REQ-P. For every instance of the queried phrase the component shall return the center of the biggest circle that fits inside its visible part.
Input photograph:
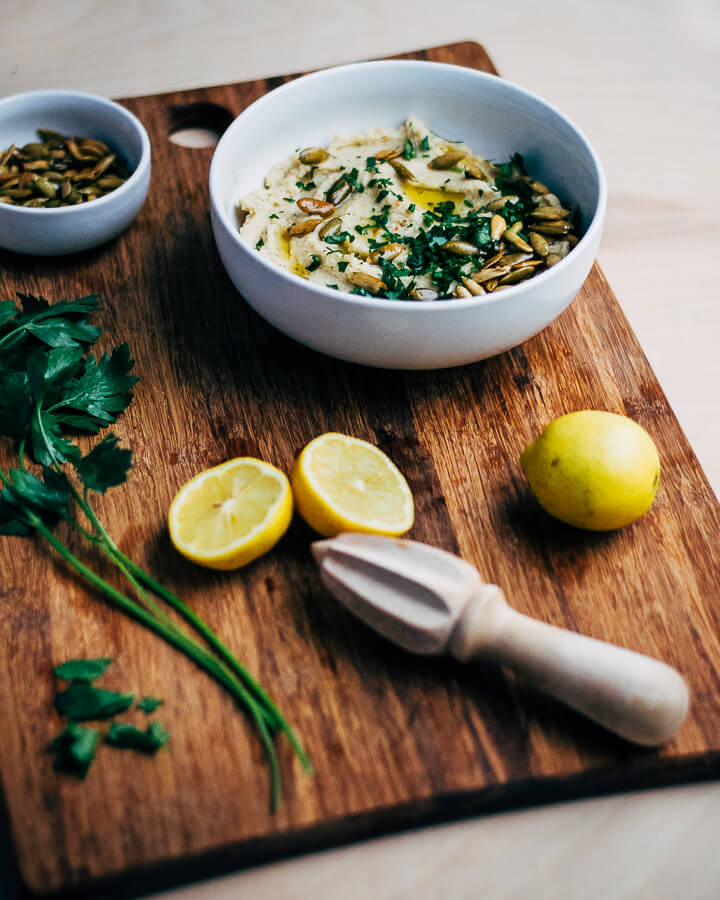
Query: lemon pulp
(342, 483)
(229, 515)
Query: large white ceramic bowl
(68, 229)
(495, 118)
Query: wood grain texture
(395, 739)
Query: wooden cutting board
(396, 740)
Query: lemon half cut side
(231, 514)
(342, 483)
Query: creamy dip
(404, 213)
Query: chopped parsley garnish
(259, 244)
(131, 737)
(425, 143)
(86, 669)
(74, 749)
(315, 264)
(409, 151)
(342, 265)
(149, 704)
(273, 216)
(339, 238)
(305, 186)
(371, 164)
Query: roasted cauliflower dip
(406, 214)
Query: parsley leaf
(82, 701)
(99, 394)
(105, 466)
(75, 749)
(133, 738)
(149, 704)
(47, 498)
(87, 669)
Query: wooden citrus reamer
(432, 602)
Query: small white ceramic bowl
(495, 118)
(68, 229)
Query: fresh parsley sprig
(52, 387)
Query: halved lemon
(342, 483)
(229, 515)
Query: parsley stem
(225, 653)
(133, 571)
(275, 717)
(174, 636)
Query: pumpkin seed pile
(467, 227)
(59, 171)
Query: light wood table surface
(642, 79)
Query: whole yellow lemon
(594, 470)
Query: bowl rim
(402, 305)
(119, 110)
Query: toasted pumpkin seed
(319, 207)
(339, 191)
(536, 186)
(513, 238)
(550, 213)
(538, 243)
(109, 182)
(447, 160)
(485, 275)
(514, 259)
(462, 291)
(516, 275)
(479, 168)
(550, 200)
(387, 251)
(305, 226)
(402, 170)
(558, 227)
(312, 155)
(36, 151)
(491, 285)
(493, 259)
(473, 287)
(48, 188)
(91, 145)
(460, 248)
(497, 226)
(473, 170)
(333, 226)
(366, 282)
(423, 294)
(388, 154)
(572, 239)
(501, 202)
(76, 153)
(102, 166)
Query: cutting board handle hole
(198, 125)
